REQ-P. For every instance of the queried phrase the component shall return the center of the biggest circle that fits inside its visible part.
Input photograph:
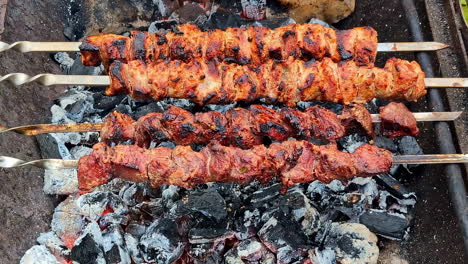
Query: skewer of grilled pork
(288, 82)
(290, 161)
(236, 125)
(245, 128)
(252, 45)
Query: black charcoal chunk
(262, 197)
(282, 231)
(386, 224)
(162, 243)
(162, 25)
(219, 108)
(297, 205)
(207, 231)
(114, 248)
(135, 229)
(409, 146)
(106, 103)
(87, 251)
(386, 143)
(78, 68)
(393, 186)
(76, 110)
(206, 202)
(153, 208)
(336, 108)
(49, 146)
(153, 107)
(223, 19)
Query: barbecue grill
(454, 171)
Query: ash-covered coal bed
(125, 222)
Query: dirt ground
(26, 211)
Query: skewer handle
(48, 164)
(29, 46)
(54, 79)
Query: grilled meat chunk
(291, 161)
(288, 82)
(397, 121)
(252, 45)
(243, 128)
(357, 120)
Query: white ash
(38, 255)
(353, 243)
(92, 205)
(132, 245)
(53, 243)
(80, 151)
(67, 222)
(62, 182)
(322, 256)
(112, 237)
(64, 60)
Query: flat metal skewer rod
(104, 80)
(37, 129)
(410, 46)
(45, 46)
(56, 164)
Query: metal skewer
(30, 46)
(56, 164)
(104, 80)
(32, 130)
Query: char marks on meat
(288, 82)
(290, 161)
(239, 127)
(252, 45)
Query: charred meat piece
(397, 121)
(243, 128)
(291, 161)
(288, 82)
(252, 45)
(357, 120)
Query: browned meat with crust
(397, 121)
(291, 161)
(243, 128)
(357, 120)
(252, 45)
(288, 82)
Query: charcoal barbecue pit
(90, 241)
